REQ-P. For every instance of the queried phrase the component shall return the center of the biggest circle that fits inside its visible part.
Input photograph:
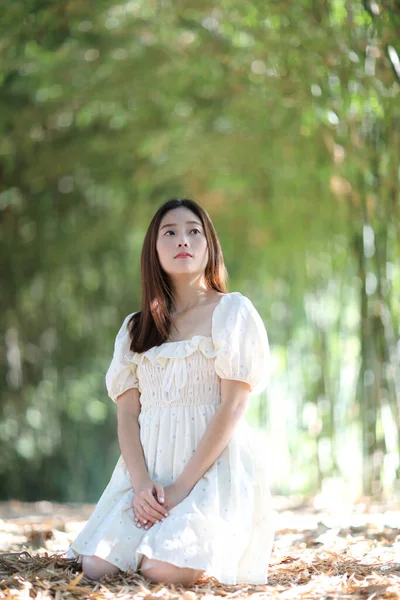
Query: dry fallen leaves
(317, 554)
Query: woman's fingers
(159, 492)
(150, 515)
(146, 512)
(153, 508)
(143, 518)
(150, 512)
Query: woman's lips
(183, 256)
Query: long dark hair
(150, 327)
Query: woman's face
(181, 231)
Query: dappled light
(319, 549)
(285, 125)
(283, 121)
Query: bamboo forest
(282, 119)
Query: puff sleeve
(121, 374)
(241, 344)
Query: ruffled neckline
(159, 355)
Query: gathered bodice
(178, 373)
(189, 371)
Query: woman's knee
(163, 572)
(95, 567)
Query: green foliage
(283, 121)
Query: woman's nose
(182, 241)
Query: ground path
(330, 552)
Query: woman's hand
(174, 494)
(148, 504)
(168, 498)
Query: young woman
(189, 494)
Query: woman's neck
(188, 294)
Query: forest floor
(331, 552)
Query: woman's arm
(128, 410)
(234, 398)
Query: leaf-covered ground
(336, 552)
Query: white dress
(226, 523)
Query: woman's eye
(194, 229)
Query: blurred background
(283, 120)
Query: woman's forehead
(179, 215)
